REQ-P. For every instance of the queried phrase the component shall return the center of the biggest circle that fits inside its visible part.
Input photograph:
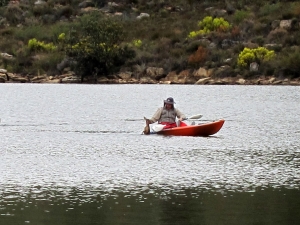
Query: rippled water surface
(75, 154)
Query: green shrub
(48, 63)
(96, 47)
(259, 55)
(209, 24)
(270, 9)
(240, 15)
(35, 45)
(13, 14)
(137, 43)
(289, 63)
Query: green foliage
(289, 62)
(208, 24)
(259, 55)
(35, 45)
(48, 63)
(137, 43)
(240, 15)
(62, 36)
(270, 9)
(96, 46)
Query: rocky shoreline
(127, 78)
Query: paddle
(159, 127)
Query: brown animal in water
(147, 127)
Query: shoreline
(71, 79)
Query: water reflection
(182, 206)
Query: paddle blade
(158, 127)
(195, 117)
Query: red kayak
(203, 129)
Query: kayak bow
(202, 129)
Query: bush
(258, 55)
(209, 24)
(35, 45)
(96, 46)
(289, 63)
(240, 15)
(198, 58)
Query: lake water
(74, 154)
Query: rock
(6, 55)
(227, 43)
(86, 4)
(212, 45)
(172, 76)
(165, 82)
(228, 60)
(63, 64)
(146, 80)
(273, 46)
(220, 12)
(285, 24)
(53, 81)
(39, 79)
(112, 4)
(143, 15)
(3, 71)
(71, 79)
(200, 73)
(125, 75)
(19, 79)
(102, 80)
(241, 81)
(254, 66)
(203, 81)
(183, 74)
(2, 79)
(40, 2)
(155, 73)
(272, 80)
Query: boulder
(19, 79)
(155, 73)
(285, 24)
(86, 4)
(146, 80)
(70, 79)
(203, 81)
(171, 76)
(254, 66)
(39, 79)
(39, 2)
(6, 55)
(125, 75)
(143, 15)
(200, 73)
(241, 81)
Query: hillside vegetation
(125, 38)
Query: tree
(95, 45)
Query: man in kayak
(165, 115)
